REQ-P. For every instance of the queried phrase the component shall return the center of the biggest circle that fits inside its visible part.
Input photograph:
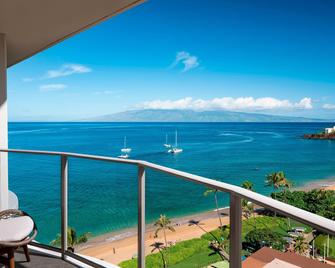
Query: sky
(273, 57)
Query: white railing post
(141, 218)
(64, 205)
(3, 124)
(235, 231)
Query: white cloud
(229, 103)
(189, 61)
(27, 79)
(328, 106)
(107, 92)
(52, 87)
(68, 69)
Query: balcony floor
(39, 260)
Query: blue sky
(274, 57)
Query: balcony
(51, 256)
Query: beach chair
(17, 229)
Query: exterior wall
(330, 130)
(3, 124)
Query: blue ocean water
(103, 196)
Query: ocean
(103, 196)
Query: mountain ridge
(162, 115)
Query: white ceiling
(31, 26)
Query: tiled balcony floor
(39, 260)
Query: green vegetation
(248, 185)
(258, 238)
(213, 247)
(300, 246)
(163, 224)
(72, 239)
(194, 250)
(197, 253)
(321, 240)
(278, 180)
(247, 207)
(316, 201)
(158, 246)
(200, 259)
(215, 192)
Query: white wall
(3, 124)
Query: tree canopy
(320, 202)
(258, 238)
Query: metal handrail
(316, 221)
(236, 194)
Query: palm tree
(210, 191)
(247, 206)
(300, 246)
(160, 247)
(163, 224)
(218, 249)
(248, 185)
(72, 239)
(278, 180)
(198, 224)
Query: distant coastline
(173, 115)
(320, 136)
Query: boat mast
(125, 142)
(176, 142)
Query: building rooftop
(271, 258)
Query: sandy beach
(327, 184)
(117, 247)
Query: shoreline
(176, 221)
(121, 245)
(326, 184)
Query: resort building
(29, 27)
(330, 130)
(271, 258)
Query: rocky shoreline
(320, 136)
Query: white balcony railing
(236, 194)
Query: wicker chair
(8, 246)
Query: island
(327, 134)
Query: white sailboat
(124, 156)
(166, 144)
(175, 149)
(125, 150)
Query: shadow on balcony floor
(39, 261)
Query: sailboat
(175, 149)
(166, 144)
(124, 156)
(125, 150)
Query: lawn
(190, 253)
(221, 264)
(277, 224)
(198, 260)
